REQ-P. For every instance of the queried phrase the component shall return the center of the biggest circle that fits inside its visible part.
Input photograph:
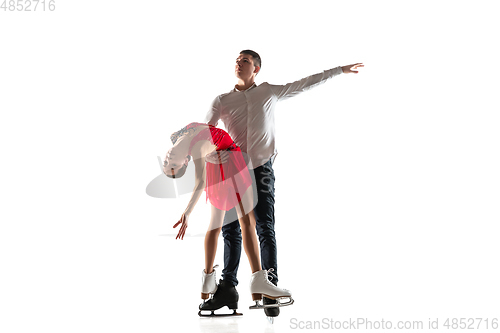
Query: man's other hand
(217, 157)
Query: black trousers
(264, 215)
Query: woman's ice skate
(208, 284)
(261, 286)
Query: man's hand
(351, 68)
(182, 230)
(217, 157)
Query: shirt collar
(249, 88)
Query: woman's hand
(184, 224)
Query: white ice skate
(208, 283)
(261, 286)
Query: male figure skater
(248, 115)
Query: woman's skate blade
(258, 305)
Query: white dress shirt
(248, 115)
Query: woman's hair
(181, 171)
(173, 138)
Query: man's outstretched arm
(295, 88)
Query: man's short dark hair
(256, 57)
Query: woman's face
(173, 162)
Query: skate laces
(270, 271)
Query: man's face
(245, 68)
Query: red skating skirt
(228, 182)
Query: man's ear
(257, 70)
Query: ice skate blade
(270, 319)
(262, 306)
(212, 314)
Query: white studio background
(386, 181)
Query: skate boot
(208, 283)
(260, 286)
(226, 295)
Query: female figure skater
(227, 185)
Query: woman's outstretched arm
(199, 186)
(199, 152)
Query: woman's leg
(211, 237)
(247, 225)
